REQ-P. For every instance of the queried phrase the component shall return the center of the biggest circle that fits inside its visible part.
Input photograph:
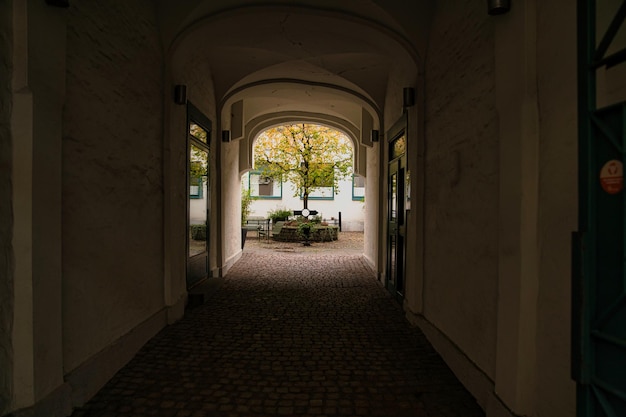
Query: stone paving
(288, 333)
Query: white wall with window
(270, 194)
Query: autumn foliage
(309, 156)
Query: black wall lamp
(375, 135)
(408, 96)
(180, 94)
(225, 135)
(496, 7)
(58, 3)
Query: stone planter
(318, 234)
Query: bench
(259, 225)
(276, 227)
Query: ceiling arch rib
(275, 41)
(407, 20)
(280, 61)
(321, 72)
(281, 95)
(250, 109)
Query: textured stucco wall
(558, 173)
(189, 68)
(372, 209)
(112, 175)
(461, 196)
(6, 212)
(231, 201)
(204, 98)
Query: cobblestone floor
(289, 333)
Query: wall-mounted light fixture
(58, 3)
(225, 135)
(180, 94)
(408, 97)
(374, 135)
(496, 7)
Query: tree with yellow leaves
(309, 156)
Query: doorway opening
(303, 179)
(397, 201)
(198, 201)
(599, 289)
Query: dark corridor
(302, 334)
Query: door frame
(598, 251)
(196, 116)
(396, 285)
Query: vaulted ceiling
(327, 59)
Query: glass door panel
(396, 208)
(599, 285)
(198, 215)
(395, 230)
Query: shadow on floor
(288, 334)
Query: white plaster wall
(371, 233)
(175, 195)
(461, 188)
(47, 37)
(558, 176)
(415, 215)
(231, 202)
(192, 70)
(39, 37)
(112, 175)
(352, 212)
(6, 212)
(197, 209)
(400, 76)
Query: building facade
(347, 202)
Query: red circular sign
(612, 177)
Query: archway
(289, 63)
(305, 165)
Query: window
(198, 170)
(358, 188)
(397, 147)
(195, 188)
(197, 132)
(198, 161)
(264, 187)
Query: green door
(396, 213)
(599, 286)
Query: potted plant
(279, 215)
(305, 227)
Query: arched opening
(303, 166)
(286, 64)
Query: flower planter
(318, 234)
